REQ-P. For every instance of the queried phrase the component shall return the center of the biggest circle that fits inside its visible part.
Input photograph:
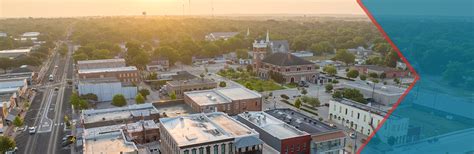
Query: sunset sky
(68, 8)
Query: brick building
(389, 72)
(124, 74)
(101, 63)
(180, 86)
(229, 100)
(279, 135)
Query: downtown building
(215, 133)
(279, 135)
(364, 119)
(324, 138)
(280, 62)
(179, 87)
(386, 95)
(232, 101)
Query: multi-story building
(281, 65)
(388, 71)
(127, 74)
(325, 139)
(178, 87)
(365, 118)
(120, 115)
(12, 91)
(101, 63)
(279, 135)
(106, 88)
(232, 101)
(121, 138)
(208, 133)
(382, 94)
(158, 65)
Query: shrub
(329, 87)
(284, 96)
(119, 100)
(222, 84)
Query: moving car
(51, 77)
(56, 88)
(32, 130)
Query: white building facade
(106, 90)
(364, 119)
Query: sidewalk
(10, 129)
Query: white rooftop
(272, 125)
(100, 61)
(92, 116)
(27, 50)
(221, 96)
(12, 83)
(200, 128)
(379, 88)
(107, 141)
(102, 70)
(31, 34)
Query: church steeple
(268, 37)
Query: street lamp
(373, 87)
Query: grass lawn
(259, 84)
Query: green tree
(119, 100)
(314, 102)
(18, 122)
(329, 69)
(304, 91)
(75, 100)
(222, 84)
(242, 53)
(382, 48)
(6, 144)
(396, 80)
(249, 68)
(383, 75)
(139, 99)
(6, 63)
(373, 75)
(248, 85)
(144, 92)
(344, 56)
(391, 59)
(298, 103)
(454, 73)
(329, 87)
(90, 96)
(363, 77)
(321, 47)
(355, 95)
(83, 104)
(337, 94)
(352, 74)
(173, 96)
(67, 121)
(374, 61)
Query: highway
(48, 109)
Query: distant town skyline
(75, 8)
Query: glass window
(186, 151)
(193, 151)
(201, 150)
(223, 149)
(216, 149)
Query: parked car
(56, 88)
(352, 135)
(303, 84)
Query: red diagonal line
(413, 72)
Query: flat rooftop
(104, 70)
(301, 121)
(221, 95)
(12, 83)
(379, 88)
(15, 51)
(100, 61)
(31, 34)
(364, 107)
(92, 116)
(191, 82)
(106, 141)
(272, 125)
(202, 128)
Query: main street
(48, 109)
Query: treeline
(182, 38)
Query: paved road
(47, 111)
